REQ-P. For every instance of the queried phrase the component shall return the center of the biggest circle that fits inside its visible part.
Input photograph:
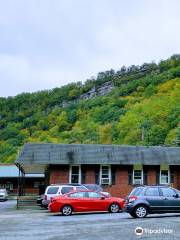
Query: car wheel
(114, 208)
(66, 210)
(140, 211)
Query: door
(79, 201)
(98, 202)
(171, 200)
(154, 199)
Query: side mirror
(102, 198)
(176, 195)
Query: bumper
(54, 207)
(39, 202)
(128, 208)
(4, 198)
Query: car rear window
(65, 190)
(52, 190)
(137, 192)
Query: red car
(85, 201)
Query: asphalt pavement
(34, 224)
(7, 206)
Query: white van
(56, 190)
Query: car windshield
(52, 190)
(177, 191)
(137, 192)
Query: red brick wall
(28, 187)
(58, 174)
(121, 187)
(176, 171)
(151, 177)
(90, 175)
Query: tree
(62, 121)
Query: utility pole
(142, 134)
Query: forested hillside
(143, 108)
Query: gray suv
(145, 200)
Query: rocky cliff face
(100, 91)
(103, 90)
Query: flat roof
(12, 171)
(35, 157)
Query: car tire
(66, 210)
(132, 214)
(140, 211)
(114, 208)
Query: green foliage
(143, 108)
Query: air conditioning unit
(105, 181)
(138, 181)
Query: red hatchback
(85, 201)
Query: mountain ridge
(141, 107)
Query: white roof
(12, 171)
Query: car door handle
(165, 198)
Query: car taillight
(132, 199)
(52, 199)
(45, 197)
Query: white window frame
(70, 173)
(109, 174)
(160, 180)
(134, 183)
(9, 186)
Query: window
(105, 175)
(130, 176)
(168, 192)
(77, 195)
(52, 190)
(139, 191)
(152, 191)
(65, 190)
(75, 174)
(94, 195)
(137, 177)
(9, 186)
(164, 177)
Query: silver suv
(56, 190)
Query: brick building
(9, 174)
(117, 168)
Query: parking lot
(37, 224)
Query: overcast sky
(46, 44)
